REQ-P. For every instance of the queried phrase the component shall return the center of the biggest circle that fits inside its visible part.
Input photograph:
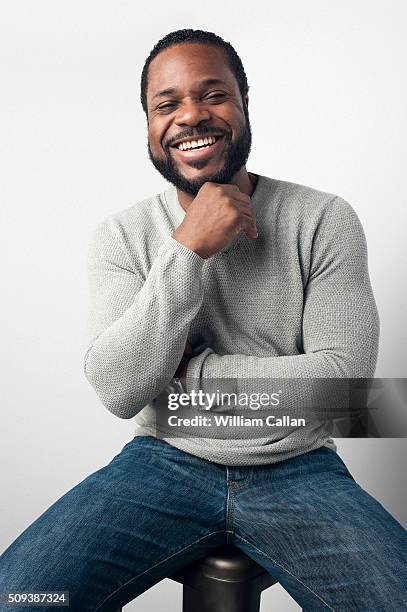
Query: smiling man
(177, 145)
(231, 277)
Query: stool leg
(221, 596)
(191, 600)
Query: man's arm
(137, 326)
(340, 326)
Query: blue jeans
(154, 509)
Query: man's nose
(192, 113)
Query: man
(231, 276)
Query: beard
(235, 155)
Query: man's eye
(213, 96)
(216, 95)
(165, 106)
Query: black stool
(226, 580)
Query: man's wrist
(190, 244)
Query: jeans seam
(229, 516)
(158, 563)
(286, 570)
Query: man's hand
(216, 216)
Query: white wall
(327, 107)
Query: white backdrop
(327, 107)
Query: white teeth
(192, 144)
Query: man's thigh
(329, 543)
(141, 517)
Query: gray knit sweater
(296, 303)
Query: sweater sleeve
(137, 325)
(340, 325)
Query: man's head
(193, 86)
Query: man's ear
(246, 100)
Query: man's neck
(244, 180)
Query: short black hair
(189, 35)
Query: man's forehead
(188, 65)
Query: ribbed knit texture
(295, 303)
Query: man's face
(194, 109)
